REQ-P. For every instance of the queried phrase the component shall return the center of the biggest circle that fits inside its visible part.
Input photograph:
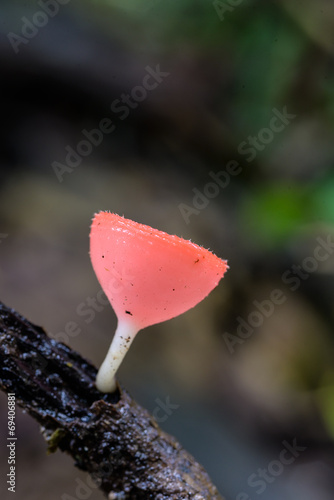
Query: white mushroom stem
(124, 335)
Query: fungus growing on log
(148, 276)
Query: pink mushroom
(148, 276)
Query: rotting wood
(109, 435)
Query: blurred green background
(232, 149)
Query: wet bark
(109, 436)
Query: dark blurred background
(228, 142)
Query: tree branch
(109, 436)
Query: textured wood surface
(110, 436)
